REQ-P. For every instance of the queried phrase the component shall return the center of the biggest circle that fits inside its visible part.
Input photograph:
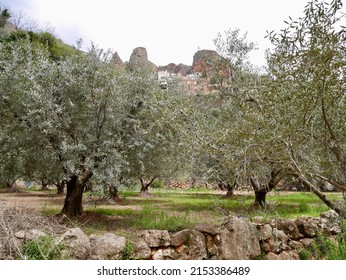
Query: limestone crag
(139, 58)
(203, 60)
(180, 69)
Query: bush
(305, 254)
(157, 184)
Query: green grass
(152, 218)
(43, 248)
(178, 209)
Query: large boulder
(107, 246)
(238, 240)
(77, 243)
(141, 250)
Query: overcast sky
(170, 30)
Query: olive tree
(75, 108)
(228, 124)
(307, 67)
(154, 147)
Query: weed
(127, 253)
(305, 254)
(326, 248)
(43, 248)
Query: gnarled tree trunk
(113, 193)
(145, 186)
(73, 205)
(227, 187)
(262, 190)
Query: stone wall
(233, 239)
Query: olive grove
(67, 119)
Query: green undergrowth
(326, 248)
(175, 210)
(43, 248)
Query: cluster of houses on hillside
(191, 84)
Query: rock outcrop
(117, 61)
(180, 69)
(203, 60)
(139, 58)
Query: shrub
(157, 184)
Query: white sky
(170, 30)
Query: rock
(77, 243)
(207, 229)
(290, 229)
(264, 231)
(203, 60)
(180, 237)
(330, 214)
(280, 240)
(285, 255)
(197, 245)
(330, 223)
(288, 255)
(239, 240)
(306, 226)
(306, 242)
(181, 249)
(116, 61)
(108, 246)
(139, 58)
(156, 238)
(22, 236)
(141, 250)
(271, 256)
(28, 235)
(180, 69)
(165, 254)
(295, 245)
(212, 249)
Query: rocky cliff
(203, 61)
(139, 57)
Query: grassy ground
(170, 209)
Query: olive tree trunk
(145, 186)
(73, 205)
(262, 190)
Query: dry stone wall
(233, 239)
